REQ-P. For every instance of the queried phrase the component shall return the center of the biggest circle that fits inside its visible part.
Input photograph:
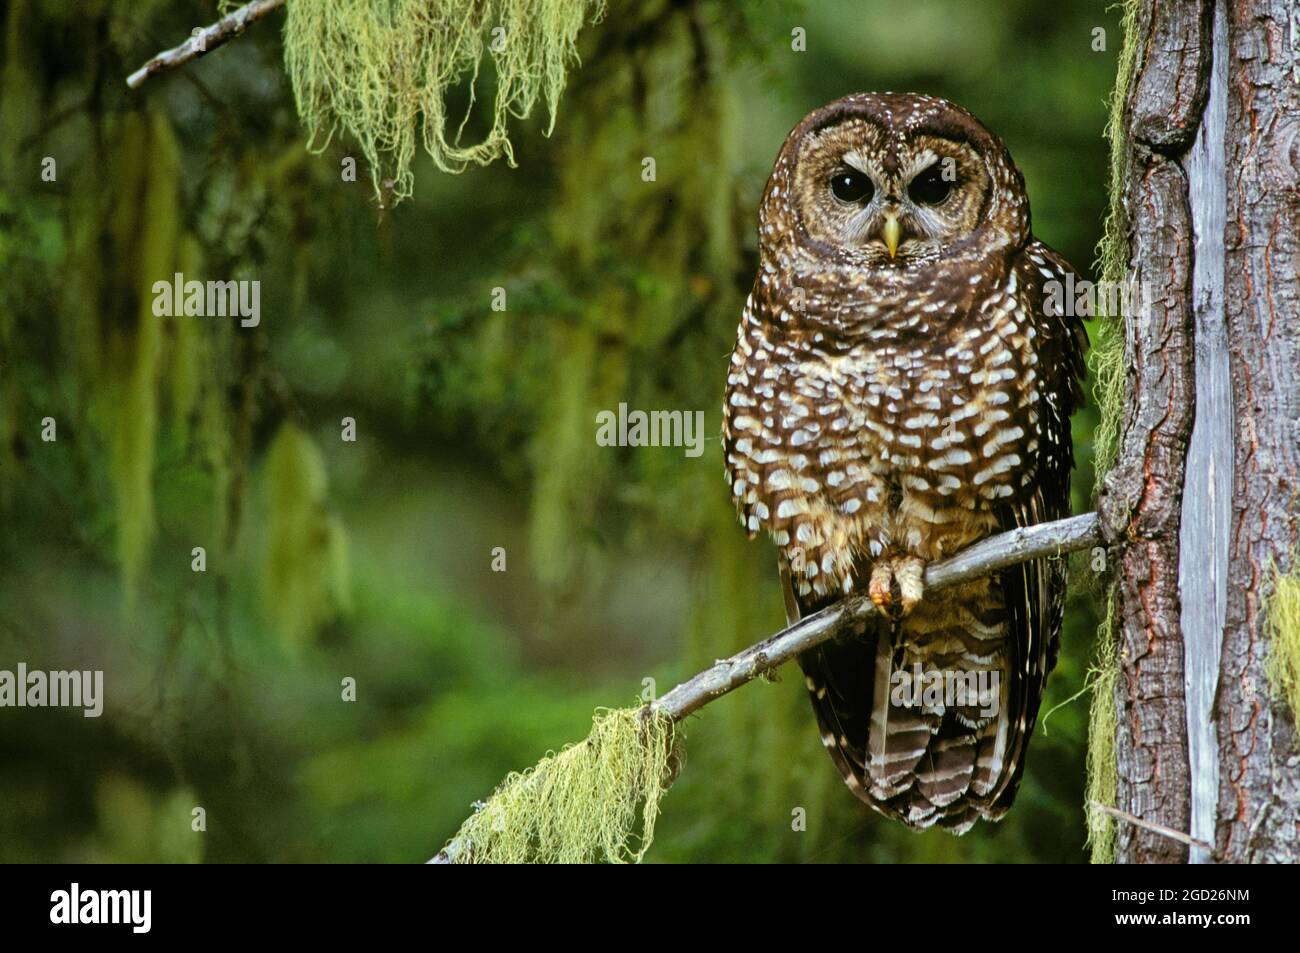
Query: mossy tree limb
(382, 72)
(583, 804)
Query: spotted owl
(900, 388)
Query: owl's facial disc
(889, 199)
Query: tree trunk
(1203, 499)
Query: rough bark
(1141, 501)
(1203, 500)
(1259, 791)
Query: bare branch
(1153, 827)
(205, 41)
(986, 556)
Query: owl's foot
(909, 573)
(905, 572)
(882, 580)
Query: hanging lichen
(1106, 358)
(187, 350)
(381, 71)
(1107, 352)
(1103, 722)
(1283, 665)
(594, 801)
(585, 381)
(142, 826)
(121, 245)
(18, 89)
(304, 579)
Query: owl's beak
(891, 233)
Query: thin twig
(986, 556)
(1152, 826)
(205, 41)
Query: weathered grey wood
(1207, 491)
(1259, 786)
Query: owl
(901, 387)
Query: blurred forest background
(372, 560)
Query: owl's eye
(930, 187)
(852, 186)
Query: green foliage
(624, 563)
(619, 304)
(381, 71)
(304, 574)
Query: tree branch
(986, 556)
(1155, 828)
(205, 41)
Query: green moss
(1283, 664)
(582, 805)
(381, 70)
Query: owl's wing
(1034, 595)
(1034, 591)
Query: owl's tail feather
(920, 764)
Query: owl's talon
(882, 581)
(909, 573)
